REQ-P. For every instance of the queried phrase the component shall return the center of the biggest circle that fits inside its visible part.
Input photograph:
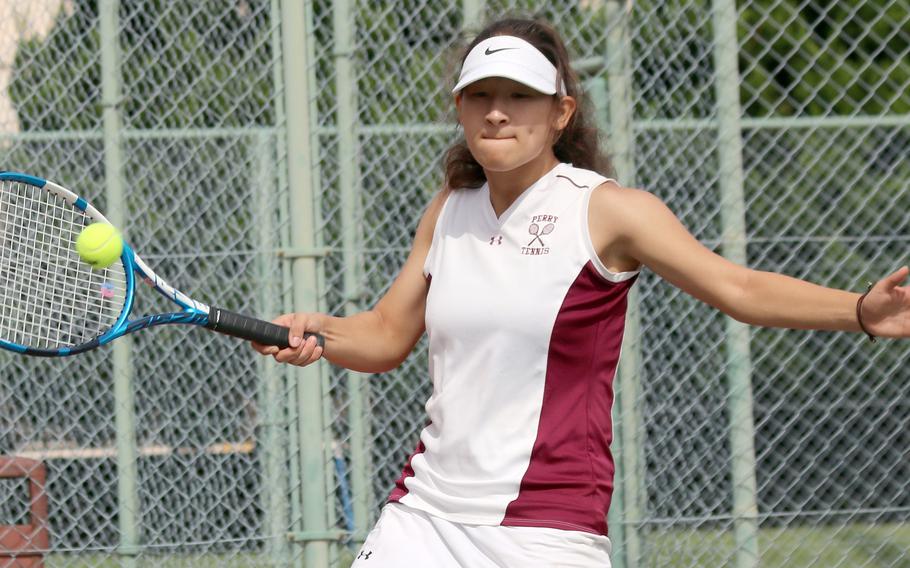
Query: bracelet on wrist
(859, 313)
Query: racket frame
(194, 312)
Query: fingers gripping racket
(53, 304)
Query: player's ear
(565, 108)
(458, 106)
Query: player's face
(508, 125)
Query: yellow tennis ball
(100, 245)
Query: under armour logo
(364, 555)
(496, 240)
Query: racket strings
(49, 298)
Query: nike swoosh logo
(492, 51)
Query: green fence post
(303, 185)
(124, 402)
(739, 366)
(472, 15)
(293, 492)
(272, 451)
(628, 435)
(346, 88)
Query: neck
(505, 187)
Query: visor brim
(506, 71)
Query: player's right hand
(301, 352)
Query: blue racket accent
(13, 347)
(24, 178)
(190, 315)
(56, 305)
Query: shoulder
(431, 215)
(436, 204)
(621, 216)
(620, 204)
(578, 178)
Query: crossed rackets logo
(535, 230)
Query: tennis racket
(53, 304)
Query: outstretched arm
(636, 224)
(376, 340)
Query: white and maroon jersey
(525, 326)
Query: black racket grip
(252, 329)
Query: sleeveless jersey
(525, 326)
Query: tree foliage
(183, 65)
(819, 58)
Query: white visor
(512, 58)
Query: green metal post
(739, 366)
(294, 491)
(597, 91)
(628, 512)
(274, 481)
(472, 15)
(295, 21)
(349, 182)
(328, 453)
(124, 403)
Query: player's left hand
(886, 309)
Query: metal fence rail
(271, 155)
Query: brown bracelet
(859, 313)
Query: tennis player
(519, 272)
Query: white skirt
(407, 537)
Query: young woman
(519, 273)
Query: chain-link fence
(270, 154)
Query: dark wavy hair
(577, 143)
